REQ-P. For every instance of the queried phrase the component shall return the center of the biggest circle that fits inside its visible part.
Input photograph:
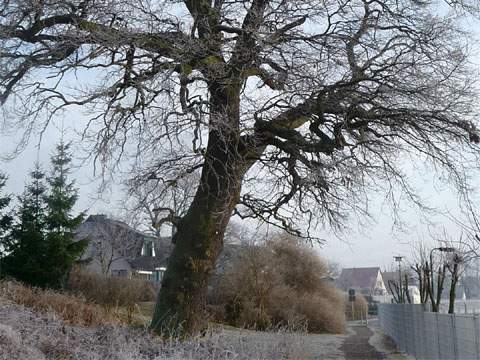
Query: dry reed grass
(71, 309)
(113, 293)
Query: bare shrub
(360, 308)
(279, 284)
(72, 309)
(111, 292)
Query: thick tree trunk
(453, 290)
(180, 308)
(430, 286)
(451, 303)
(440, 282)
(198, 243)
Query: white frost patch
(11, 347)
(27, 335)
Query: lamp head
(446, 249)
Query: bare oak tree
(289, 110)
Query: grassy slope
(33, 326)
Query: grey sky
(371, 245)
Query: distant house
(117, 249)
(390, 277)
(367, 281)
(393, 276)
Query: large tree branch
(244, 52)
(167, 43)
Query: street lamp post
(400, 292)
(442, 249)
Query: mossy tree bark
(180, 308)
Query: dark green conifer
(5, 219)
(62, 248)
(43, 248)
(26, 252)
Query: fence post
(437, 329)
(454, 332)
(404, 329)
(425, 338)
(477, 335)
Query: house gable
(116, 248)
(368, 280)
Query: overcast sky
(373, 244)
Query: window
(159, 274)
(148, 248)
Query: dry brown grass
(280, 284)
(71, 309)
(113, 293)
(43, 324)
(26, 334)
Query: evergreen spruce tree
(5, 217)
(43, 249)
(5, 220)
(26, 252)
(62, 248)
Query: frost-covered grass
(29, 331)
(27, 335)
(72, 309)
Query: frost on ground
(29, 335)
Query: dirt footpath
(357, 346)
(368, 342)
(360, 342)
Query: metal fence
(470, 306)
(428, 335)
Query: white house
(366, 280)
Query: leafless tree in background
(159, 203)
(420, 267)
(334, 269)
(110, 243)
(442, 265)
(289, 110)
(400, 291)
(465, 250)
